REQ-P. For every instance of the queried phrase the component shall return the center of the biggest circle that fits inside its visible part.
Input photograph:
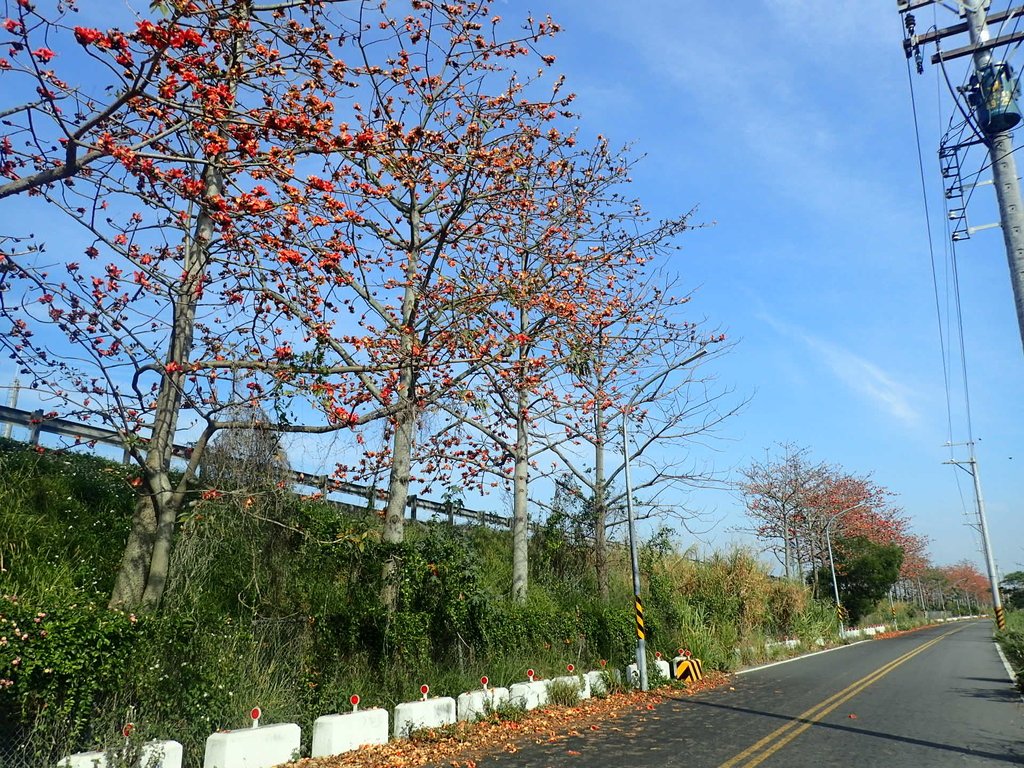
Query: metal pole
(990, 562)
(641, 630)
(892, 611)
(641, 642)
(832, 564)
(1004, 168)
(835, 582)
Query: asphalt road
(937, 697)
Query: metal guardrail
(37, 422)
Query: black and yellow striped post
(1000, 618)
(641, 630)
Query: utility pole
(12, 402)
(990, 562)
(992, 97)
(1004, 167)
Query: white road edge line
(1006, 665)
(839, 648)
(798, 658)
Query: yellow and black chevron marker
(687, 669)
(641, 631)
(1000, 618)
(842, 613)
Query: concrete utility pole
(992, 97)
(993, 100)
(1004, 167)
(12, 402)
(990, 562)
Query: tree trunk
(404, 424)
(168, 506)
(520, 510)
(144, 567)
(398, 495)
(130, 582)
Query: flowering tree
(169, 172)
(806, 504)
(964, 578)
(401, 219)
(632, 361)
(550, 271)
(780, 493)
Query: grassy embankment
(1012, 642)
(274, 601)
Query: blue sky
(789, 123)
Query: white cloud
(868, 379)
(857, 373)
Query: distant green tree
(865, 571)
(1012, 588)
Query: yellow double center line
(757, 753)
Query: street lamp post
(832, 564)
(641, 640)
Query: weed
(506, 711)
(564, 693)
(437, 734)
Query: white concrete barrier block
(633, 675)
(335, 734)
(870, 631)
(473, 704)
(596, 681)
(529, 695)
(262, 747)
(162, 754)
(432, 713)
(84, 760)
(154, 754)
(664, 668)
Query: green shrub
(61, 667)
